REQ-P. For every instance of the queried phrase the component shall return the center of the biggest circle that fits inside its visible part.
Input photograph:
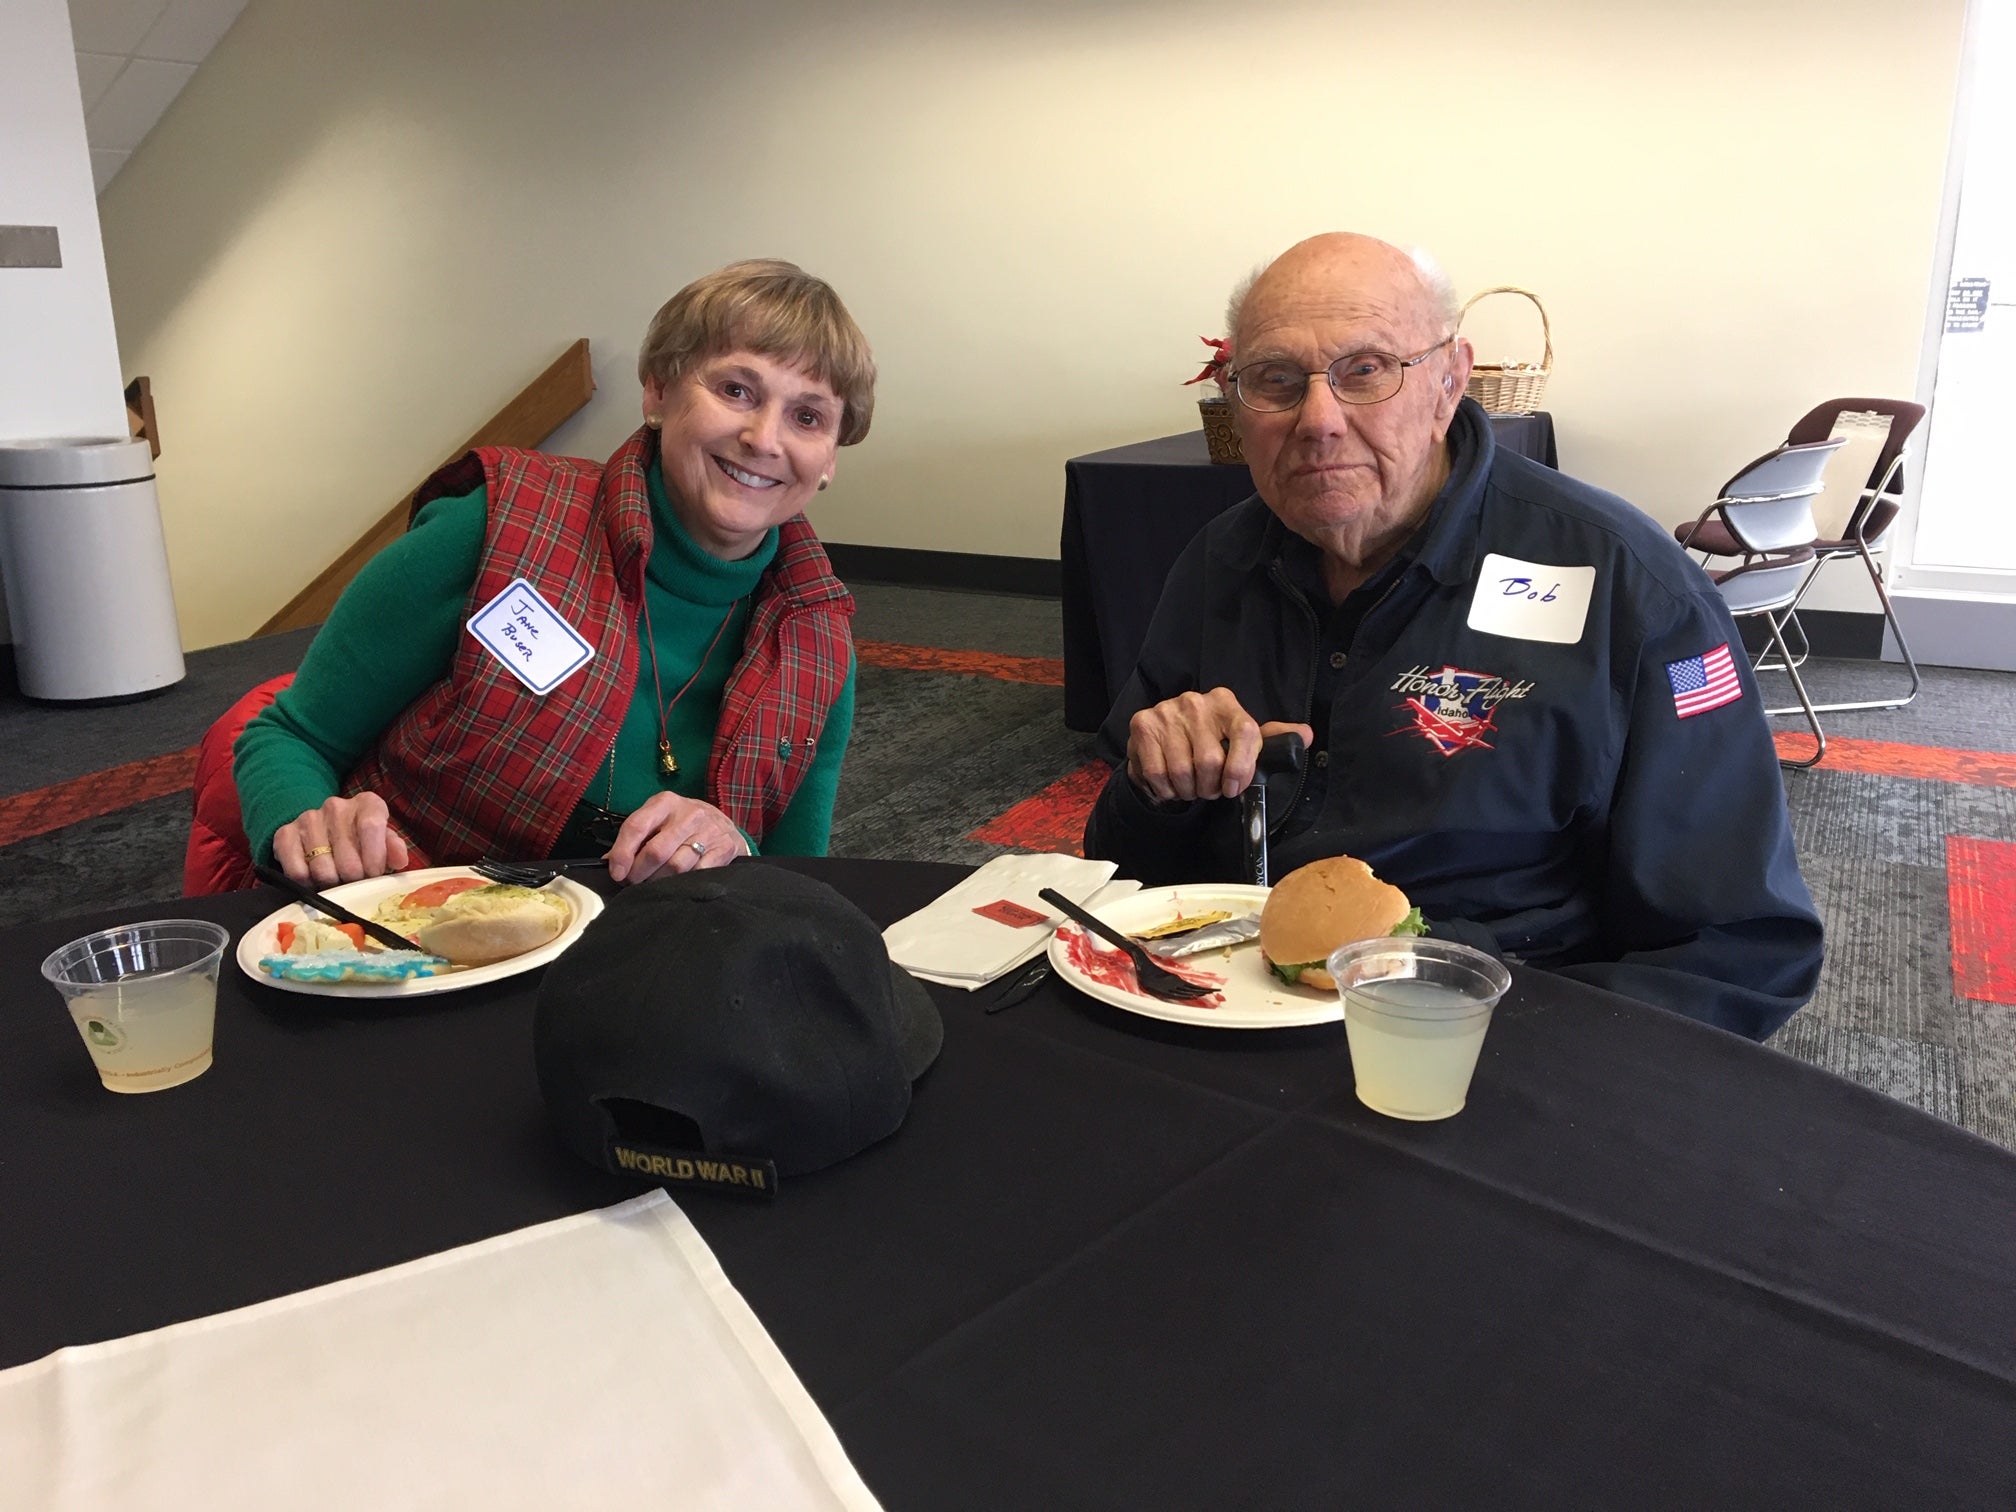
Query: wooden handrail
(527, 420)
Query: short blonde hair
(775, 309)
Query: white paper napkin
(601, 1360)
(947, 942)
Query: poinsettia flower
(1215, 368)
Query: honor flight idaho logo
(1454, 710)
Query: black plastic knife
(386, 937)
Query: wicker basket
(1512, 388)
(1219, 432)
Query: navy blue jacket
(1553, 794)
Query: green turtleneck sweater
(393, 634)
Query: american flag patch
(1703, 682)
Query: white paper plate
(1254, 997)
(363, 898)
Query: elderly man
(1523, 703)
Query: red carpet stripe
(1981, 896)
(1889, 758)
(26, 815)
(1053, 820)
(1022, 669)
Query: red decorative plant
(1219, 365)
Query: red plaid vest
(479, 765)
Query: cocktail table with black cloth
(1128, 514)
(1115, 1263)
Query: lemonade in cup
(1415, 1012)
(144, 999)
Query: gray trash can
(86, 570)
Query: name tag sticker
(1531, 600)
(527, 634)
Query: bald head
(1342, 271)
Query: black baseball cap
(720, 1028)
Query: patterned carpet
(1906, 934)
(1907, 832)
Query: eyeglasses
(1356, 378)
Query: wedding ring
(698, 849)
(317, 850)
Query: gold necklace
(668, 764)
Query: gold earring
(822, 484)
(654, 421)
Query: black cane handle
(1281, 753)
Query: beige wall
(367, 222)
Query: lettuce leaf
(1413, 924)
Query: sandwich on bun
(484, 924)
(1328, 903)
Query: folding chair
(1861, 535)
(1765, 512)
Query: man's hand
(345, 840)
(1198, 745)
(673, 834)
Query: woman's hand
(345, 840)
(673, 834)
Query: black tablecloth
(1128, 514)
(1112, 1263)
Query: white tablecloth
(600, 1360)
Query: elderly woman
(712, 711)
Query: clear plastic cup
(144, 999)
(1415, 1012)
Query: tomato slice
(287, 930)
(434, 894)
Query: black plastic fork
(532, 873)
(1155, 980)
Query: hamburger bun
(494, 923)
(1318, 907)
